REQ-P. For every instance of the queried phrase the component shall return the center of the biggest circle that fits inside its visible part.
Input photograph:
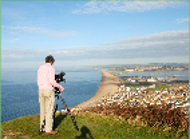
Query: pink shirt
(46, 77)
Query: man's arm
(52, 79)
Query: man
(46, 83)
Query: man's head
(50, 59)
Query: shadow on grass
(58, 120)
(84, 132)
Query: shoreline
(108, 85)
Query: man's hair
(50, 59)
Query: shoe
(52, 132)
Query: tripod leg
(54, 116)
(73, 119)
(42, 127)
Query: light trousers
(47, 104)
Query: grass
(138, 85)
(91, 125)
(159, 87)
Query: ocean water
(19, 92)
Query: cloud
(11, 41)
(159, 45)
(15, 54)
(50, 33)
(119, 6)
(182, 20)
(14, 33)
(156, 45)
(157, 38)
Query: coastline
(108, 85)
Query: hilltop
(91, 125)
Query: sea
(19, 90)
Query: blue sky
(94, 32)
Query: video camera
(59, 78)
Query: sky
(86, 33)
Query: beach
(108, 85)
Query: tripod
(72, 117)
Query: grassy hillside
(91, 125)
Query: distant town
(147, 67)
(152, 68)
(120, 70)
(149, 79)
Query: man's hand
(62, 89)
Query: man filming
(46, 83)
